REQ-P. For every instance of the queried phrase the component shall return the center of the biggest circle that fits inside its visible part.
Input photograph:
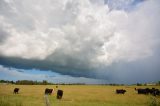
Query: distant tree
(12, 82)
(139, 84)
(44, 82)
(6, 81)
(158, 83)
(24, 82)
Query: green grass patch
(76, 95)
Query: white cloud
(83, 31)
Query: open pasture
(76, 95)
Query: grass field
(76, 95)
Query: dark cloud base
(20, 63)
(145, 70)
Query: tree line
(31, 82)
(45, 82)
(26, 82)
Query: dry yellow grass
(75, 95)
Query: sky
(80, 41)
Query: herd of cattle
(152, 91)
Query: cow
(154, 92)
(59, 94)
(16, 90)
(142, 91)
(157, 92)
(120, 91)
(48, 91)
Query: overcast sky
(86, 41)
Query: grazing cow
(48, 91)
(120, 91)
(16, 90)
(152, 91)
(59, 94)
(155, 92)
(142, 91)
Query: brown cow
(16, 90)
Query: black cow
(120, 91)
(48, 91)
(16, 90)
(142, 91)
(59, 94)
(154, 92)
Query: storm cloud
(85, 38)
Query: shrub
(154, 102)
